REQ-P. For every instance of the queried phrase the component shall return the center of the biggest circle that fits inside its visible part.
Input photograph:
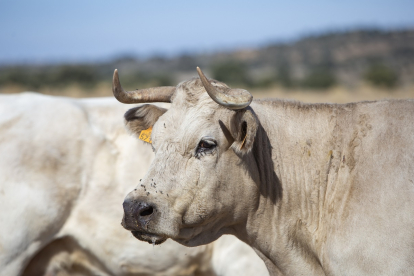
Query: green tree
(381, 75)
(319, 78)
(163, 80)
(67, 74)
(284, 76)
(231, 72)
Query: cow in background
(65, 166)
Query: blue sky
(44, 31)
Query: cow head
(203, 164)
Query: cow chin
(150, 238)
(196, 236)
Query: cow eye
(205, 146)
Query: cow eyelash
(205, 146)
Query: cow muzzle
(138, 216)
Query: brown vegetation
(336, 94)
(332, 67)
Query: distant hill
(383, 58)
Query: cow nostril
(146, 212)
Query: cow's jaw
(150, 238)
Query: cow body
(65, 166)
(346, 179)
(316, 189)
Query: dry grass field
(337, 94)
(333, 95)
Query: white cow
(316, 189)
(65, 166)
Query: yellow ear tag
(146, 135)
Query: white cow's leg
(13, 264)
(32, 219)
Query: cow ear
(142, 117)
(244, 128)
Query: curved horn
(155, 94)
(230, 98)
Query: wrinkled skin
(186, 186)
(302, 184)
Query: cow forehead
(192, 93)
(191, 116)
(184, 128)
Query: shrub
(319, 78)
(231, 72)
(264, 82)
(381, 75)
(284, 76)
(163, 80)
(36, 77)
(65, 75)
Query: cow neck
(302, 158)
